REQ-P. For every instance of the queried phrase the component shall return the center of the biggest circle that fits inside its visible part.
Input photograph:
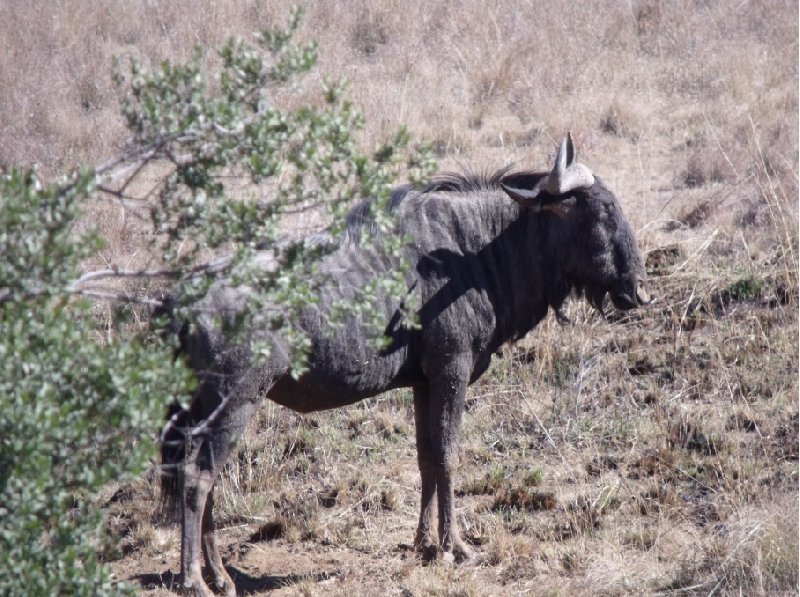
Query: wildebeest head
(592, 241)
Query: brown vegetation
(655, 454)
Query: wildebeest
(489, 255)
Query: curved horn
(567, 174)
(571, 153)
(560, 165)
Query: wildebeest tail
(176, 431)
(174, 439)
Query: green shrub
(75, 414)
(237, 134)
(78, 413)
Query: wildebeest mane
(360, 216)
(469, 181)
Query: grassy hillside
(653, 455)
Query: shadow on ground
(245, 584)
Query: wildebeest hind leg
(196, 486)
(425, 541)
(211, 552)
(214, 441)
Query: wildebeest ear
(524, 197)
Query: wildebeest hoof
(227, 589)
(197, 589)
(427, 551)
(225, 586)
(447, 557)
(459, 555)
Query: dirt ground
(596, 471)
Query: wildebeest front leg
(447, 390)
(425, 541)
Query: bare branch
(7, 295)
(77, 287)
(104, 274)
(204, 427)
(212, 267)
(119, 297)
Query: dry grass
(652, 455)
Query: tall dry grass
(652, 455)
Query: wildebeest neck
(483, 268)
